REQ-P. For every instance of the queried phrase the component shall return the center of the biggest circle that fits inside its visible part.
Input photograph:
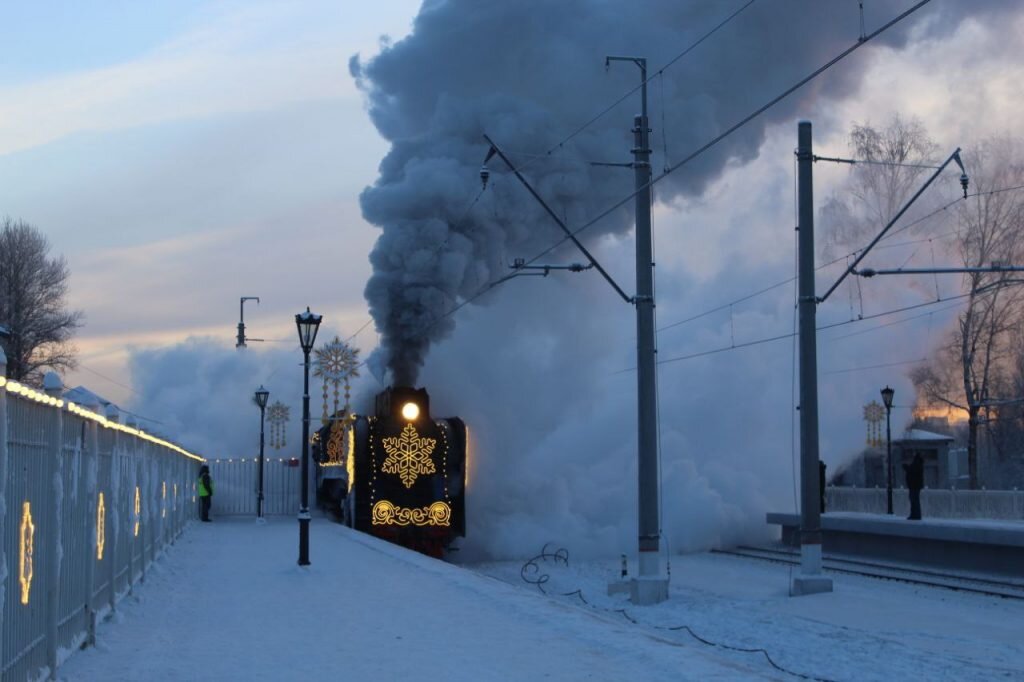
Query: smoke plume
(542, 375)
(527, 73)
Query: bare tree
(980, 353)
(892, 162)
(33, 309)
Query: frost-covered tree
(977, 358)
(33, 306)
(892, 165)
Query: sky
(181, 155)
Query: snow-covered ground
(228, 602)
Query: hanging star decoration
(408, 455)
(874, 415)
(277, 417)
(336, 363)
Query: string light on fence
(27, 537)
(138, 510)
(101, 526)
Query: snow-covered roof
(918, 434)
(83, 396)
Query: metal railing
(236, 485)
(937, 503)
(86, 505)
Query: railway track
(1006, 589)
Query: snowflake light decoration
(408, 455)
(336, 363)
(277, 417)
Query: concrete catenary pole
(652, 585)
(809, 580)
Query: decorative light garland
(101, 526)
(28, 531)
(138, 510)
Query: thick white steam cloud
(535, 374)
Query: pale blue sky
(181, 154)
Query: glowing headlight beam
(410, 411)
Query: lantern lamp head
(410, 411)
(887, 394)
(308, 323)
(262, 395)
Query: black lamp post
(262, 395)
(308, 323)
(887, 394)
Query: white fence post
(3, 496)
(92, 456)
(53, 386)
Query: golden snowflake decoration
(336, 361)
(409, 455)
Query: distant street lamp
(262, 395)
(887, 394)
(308, 323)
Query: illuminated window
(28, 531)
(101, 526)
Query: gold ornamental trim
(386, 513)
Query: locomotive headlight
(410, 411)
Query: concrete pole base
(810, 584)
(646, 591)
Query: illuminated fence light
(101, 527)
(138, 510)
(28, 531)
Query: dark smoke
(528, 72)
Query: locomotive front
(407, 473)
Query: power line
(693, 155)
(659, 72)
(729, 131)
(861, 369)
(770, 339)
(848, 255)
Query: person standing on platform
(821, 483)
(205, 486)
(915, 481)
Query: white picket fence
(86, 505)
(938, 503)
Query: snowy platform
(977, 545)
(227, 602)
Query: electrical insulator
(485, 174)
(963, 183)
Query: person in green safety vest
(205, 486)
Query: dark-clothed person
(915, 481)
(205, 486)
(821, 483)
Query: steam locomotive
(399, 474)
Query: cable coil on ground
(532, 572)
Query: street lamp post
(308, 323)
(262, 395)
(887, 394)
